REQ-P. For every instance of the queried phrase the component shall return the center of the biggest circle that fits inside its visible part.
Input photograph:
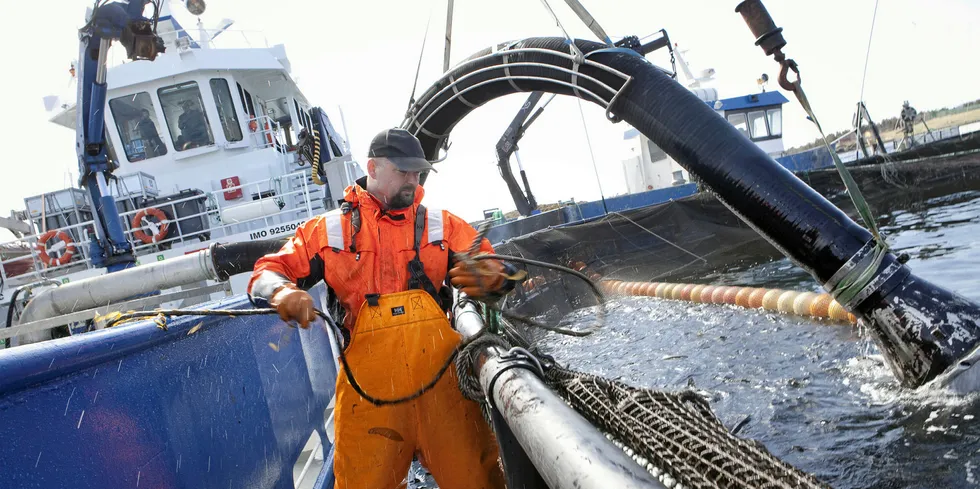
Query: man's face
(395, 188)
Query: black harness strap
(417, 279)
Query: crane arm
(109, 21)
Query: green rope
(852, 284)
(852, 187)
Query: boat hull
(211, 402)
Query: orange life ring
(42, 248)
(254, 126)
(137, 225)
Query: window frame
(758, 115)
(765, 111)
(201, 105)
(745, 120)
(769, 121)
(234, 111)
(123, 140)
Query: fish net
(675, 435)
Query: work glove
(481, 279)
(293, 304)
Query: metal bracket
(510, 360)
(517, 353)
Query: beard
(404, 198)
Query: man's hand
(294, 304)
(479, 279)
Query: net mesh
(675, 434)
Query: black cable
(10, 314)
(343, 357)
(329, 320)
(530, 322)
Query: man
(193, 126)
(385, 259)
(147, 130)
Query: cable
(867, 55)
(601, 319)
(592, 153)
(343, 358)
(418, 68)
(326, 317)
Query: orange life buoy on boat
(42, 248)
(254, 126)
(137, 225)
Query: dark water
(817, 394)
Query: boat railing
(266, 132)
(217, 38)
(277, 202)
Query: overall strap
(417, 279)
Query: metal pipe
(567, 450)
(102, 69)
(309, 462)
(104, 289)
(217, 262)
(468, 321)
(449, 40)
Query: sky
(359, 57)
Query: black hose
(232, 259)
(791, 215)
(919, 336)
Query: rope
(555, 17)
(160, 315)
(316, 158)
(854, 282)
(665, 240)
(469, 384)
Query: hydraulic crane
(126, 23)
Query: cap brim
(409, 163)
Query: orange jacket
(373, 262)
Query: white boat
(205, 138)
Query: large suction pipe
(923, 330)
(565, 449)
(217, 262)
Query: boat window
(757, 121)
(678, 177)
(184, 110)
(738, 120)
(136, 121)
(775, 121)
(656, 154)
(246, 101)
(226, 109)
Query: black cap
(401, 148)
